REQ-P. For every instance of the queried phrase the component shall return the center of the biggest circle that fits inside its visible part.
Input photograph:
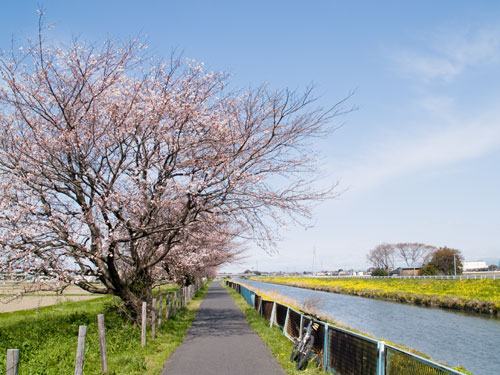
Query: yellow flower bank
(474, 295)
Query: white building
(471, 266)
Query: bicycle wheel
(305, 354)
(295, 351)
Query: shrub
(429, 269)
(379, 272)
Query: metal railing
(493, 276)
(341, 351)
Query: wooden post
(153, 319)
(160, 310)
(174, 303)
(12, 361)
(144, 321)
(102, 343)
(167, 306)
(80, 350)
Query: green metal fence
(340, 351)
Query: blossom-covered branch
(132, 170)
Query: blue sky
(419, 160)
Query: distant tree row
(432, 260)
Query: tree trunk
(134, 294)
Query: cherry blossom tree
(200, 254)
(117, 165)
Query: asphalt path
(220, 342)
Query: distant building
(406, 271)
(474, 266)
(360, 273)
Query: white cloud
(447, 131)
(429, 67)
(448, 55)
(404, 155)
(482, 47)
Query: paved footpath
(220, 342)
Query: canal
(471, 340)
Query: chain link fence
(338, 350)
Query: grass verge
(278, 344)
(47, 338)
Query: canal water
(471, 340)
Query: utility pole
(314, 259)
(454, 264)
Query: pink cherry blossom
(132, 170)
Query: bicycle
(302, 348)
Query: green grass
(47, 338)
(165, 288)
(278, 344)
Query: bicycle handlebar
(313, 316)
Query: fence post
(80, 350)
(273, 312)
(177, 302)
(301, 324)
(381, 358)
(325, 348)
(153, 319)
(160, 310)
(174, 303)
(171, 305)
(286, 321)
(167, 306)
(12, 361)
(102, 343)
(143, 325)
